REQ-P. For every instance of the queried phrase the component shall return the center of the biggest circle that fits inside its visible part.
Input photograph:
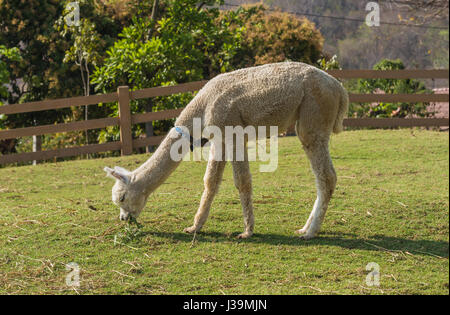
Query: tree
(11, 54)
(186, 45)
(42, 74)
(23, 25)
(84, 52)
(6, 54)
(274, 36)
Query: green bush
(391, 86)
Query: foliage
(187, 45)
(193, 40)
(392, 86)
(25, 26)
(6, 55)
(185, 37)
(85, 48)
(11, 54)
(41, 74)
(360, 47)
(274, 36)
(329, 64)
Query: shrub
(392, 86)
(275, 36)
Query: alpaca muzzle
(124, 216)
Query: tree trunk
(153, 17)
(155, 9)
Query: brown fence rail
(390, 74)
(125, 120)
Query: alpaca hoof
(190, 230)
(301, 231)
(244, 235)
(304, 234)
(307, 236)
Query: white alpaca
(279, 95)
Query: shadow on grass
(344, 240)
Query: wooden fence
(125, 120)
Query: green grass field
(391, 207)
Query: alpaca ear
(122, 170)
(118, 173)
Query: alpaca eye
(122, 198)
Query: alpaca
(279, 94)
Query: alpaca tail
(342, 112)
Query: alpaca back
(269, 95)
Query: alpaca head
(130, 201)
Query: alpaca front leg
(212, 179)
(308, 222)
(243, 182)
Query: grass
(391, 207)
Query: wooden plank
(143, 142)
(390, 74)
(47, 129)
(167, 90)
(125, 120)
(50, 154)
(393, 98)
(396, 122)
(165, 114)
(57, 103)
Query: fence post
(37, 146)
(126, 138)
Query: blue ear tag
(200, 142)
(180, 131)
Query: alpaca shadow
(438, 249)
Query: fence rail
(390, 74)
(125, 120)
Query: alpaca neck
(154, 172)
(157, 168)
(194, 110)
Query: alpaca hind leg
(212, 179)
(243, 182)
(308, 222)
(322, 167)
